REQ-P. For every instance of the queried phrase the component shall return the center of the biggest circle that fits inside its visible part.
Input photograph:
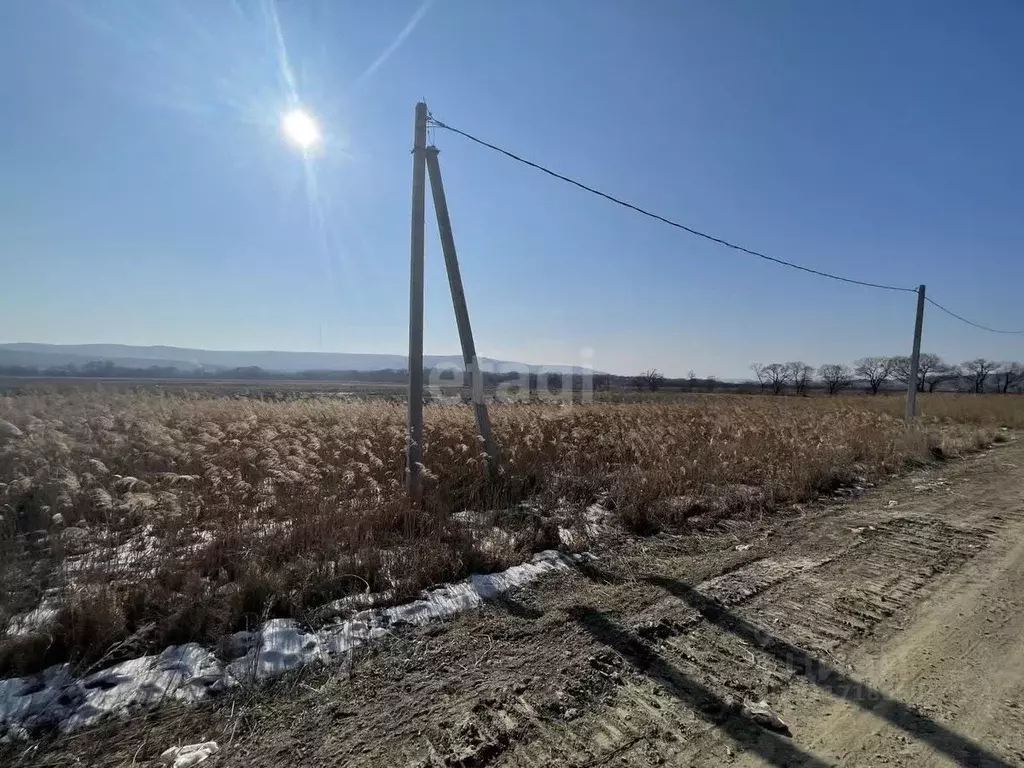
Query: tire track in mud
(672, 674)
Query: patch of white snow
(189, 755)
(190, 673)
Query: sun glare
(301, 128)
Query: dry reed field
(129, 522)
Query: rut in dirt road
(835, 682)
(692, 646)
(709, 706)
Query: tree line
(873, 374)
(878, 373)
(534, 379)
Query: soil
(880, 630)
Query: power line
(662, 219)
(951, 313)
(618, 201)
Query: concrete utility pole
(451, 263)
(915, 358)
(414, 424)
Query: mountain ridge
(186, 358)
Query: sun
(301, 128)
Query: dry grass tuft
(132, 521)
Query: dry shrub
(147, 519)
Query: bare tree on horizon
(1009, 375)
(977, 371)
(876, 370)
(776, 376)
(836, 376)
(800, 373)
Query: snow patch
(189, 755)
(138, 551)
(36, 620)
(190, 673)
(597, 519)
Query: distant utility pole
(414, 423)
(451, 263)
(915, 358)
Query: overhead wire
(951, 313)
(721, 241)
(663, 219)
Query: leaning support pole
(915, 358)
(414, 424)
(451, 263)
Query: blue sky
(147, 196)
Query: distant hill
(52, 355)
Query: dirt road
(945, 689)
(886, 630)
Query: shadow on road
(835, 681)
(516, 608)
(772, 747)
(595, 572)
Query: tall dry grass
(986, 411)
(139, 520)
